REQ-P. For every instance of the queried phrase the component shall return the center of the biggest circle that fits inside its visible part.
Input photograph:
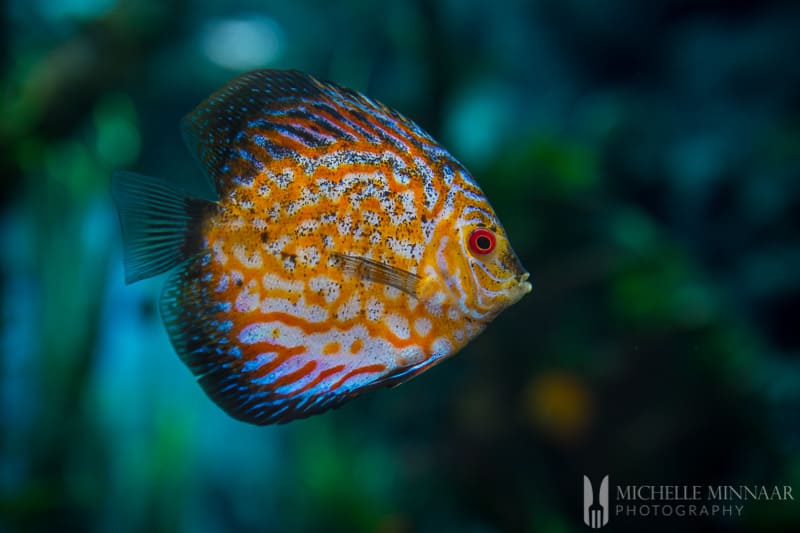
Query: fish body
(345, 249)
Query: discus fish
(344, 248)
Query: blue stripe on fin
(211, 129)
(196, 321)
(219, 129)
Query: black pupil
(483, 242)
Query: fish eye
(482, 241)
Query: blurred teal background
(644, 157)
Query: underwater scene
(402, 266)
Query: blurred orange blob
(558, 404)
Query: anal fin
(202, 327)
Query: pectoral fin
(370, 270)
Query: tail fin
(160, 224)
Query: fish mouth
(524, 285)
(514, 290)
(511, 262)
(519, 288)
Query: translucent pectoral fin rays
(370, 270)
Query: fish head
(479, 267)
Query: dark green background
(643, 156)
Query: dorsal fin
(211, 128)
(271, 113)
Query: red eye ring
(482, 241)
